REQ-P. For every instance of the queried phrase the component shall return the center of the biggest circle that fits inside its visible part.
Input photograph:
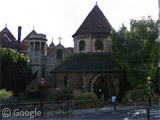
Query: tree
(136, 51)
(15, 71)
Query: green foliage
(5, 94)
(136, 51)
(87, 96)
(136, 95)
(65, 93)
(15, 72)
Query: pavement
(80, 112)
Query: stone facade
(88, 82)
(90, 43)
(52, 61)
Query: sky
(57, 18)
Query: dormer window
(82, 46)
(59, 54)
(99, 45)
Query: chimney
(19, 34)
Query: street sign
(42, 82)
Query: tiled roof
(95, 22)
(31, 33)
(89, 62)
(70, 49)
(51, 45)
(7, 39)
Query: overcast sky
(63, 17)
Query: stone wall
(52, 61)
(85, 82)
(51, 105)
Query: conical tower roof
(95, 22)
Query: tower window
(82, 45)
(31, 45)
(59, 54)
(99, 45)
(36, 46)
(65, 80)
(42, 46)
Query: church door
(102, 88)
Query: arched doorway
(101, 88)
(102, 84)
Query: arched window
(59, 54)
(99, 45)
(82, 45)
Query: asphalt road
(140, 114)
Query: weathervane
(33, 27)
(60, 39)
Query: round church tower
(92, 35)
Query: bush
(65, 93)
(87, 96)
(7, 96)
(136, 95)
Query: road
(140, 114)
(136, 114)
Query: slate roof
(88, 62)
(95, 22)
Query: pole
(148, 115)
(149, 98)
(41, 95)
(41, 100)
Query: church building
(91, 67)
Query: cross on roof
(60, 39)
